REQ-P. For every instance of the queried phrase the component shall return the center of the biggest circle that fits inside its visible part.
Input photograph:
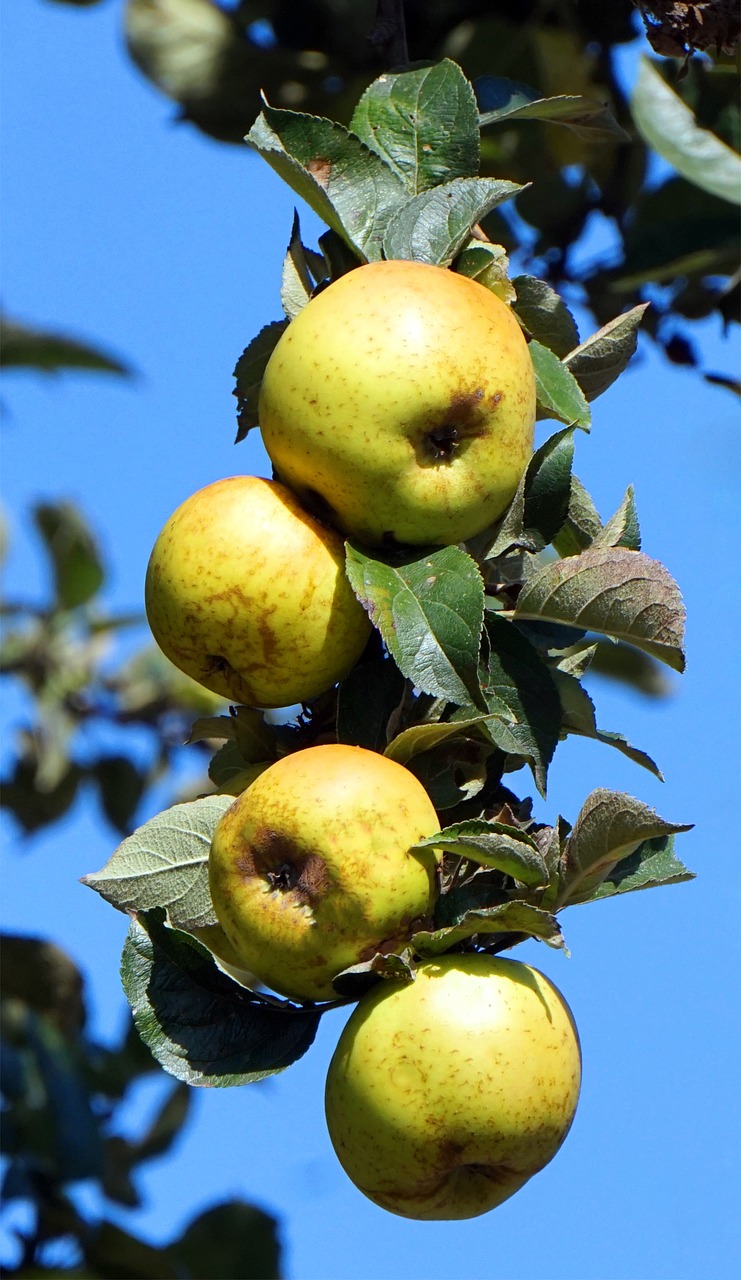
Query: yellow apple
(213, 937)
(247, 594)
(400, 404)
(310, 868)
(446, 1094)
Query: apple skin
(400, 405)
(446, 1094)
(247, 594)
(310, 870)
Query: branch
(389, 35)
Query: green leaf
(501, 99)
(597, 362)
(547, 491)
(249, 371)
(231, 1241)
(654, 863)
(199, 1025)
(614, 592)
(611, 826)
(623, 529)
(508, 917)
(579, 718)
(117, 1254)
(296, 286)
(165, 864)
(367, 699)
(342, 180)
(75, 560)
(521, 683)
(544, 315)
(582, 524)
(434, 226)
(422, 123)
(25, 347)
(669, 126)
(494, 845)
(423, 737)
(429, 611)
(558, 392)
(489, 265)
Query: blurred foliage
(86, 720)
(25, 347)
(63, 1099)
(214, 61)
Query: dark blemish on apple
(286, 867)
(217, 664)
(464, 420)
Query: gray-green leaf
(614, 592)
(434, 226)
(611, 826)
(493, 845)
(503, 99)
(579, 718)
(598, 361)
(249, 372)
(164, 864)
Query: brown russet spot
(287, 869)
(320, 169)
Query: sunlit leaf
(429, 610)
(164, 864)
(558, 392)
(670, 127)
(434, 226)
(422, 123)
(351, 189)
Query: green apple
(310, 869)
(447, 1093)
(400, 405)
(247, 593)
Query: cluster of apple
(398, 409)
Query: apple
(247, 593)
(400, 405)
(445, 1094)
(310, 869)
(213, 937)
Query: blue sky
(139, 233)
